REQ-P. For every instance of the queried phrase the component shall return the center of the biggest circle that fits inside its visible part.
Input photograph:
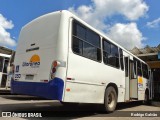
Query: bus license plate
(29, 77)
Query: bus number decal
(17, 75)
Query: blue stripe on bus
(51, 90)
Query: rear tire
(110, 100)
(146, 98)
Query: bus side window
(85, 42)
(79, 31)
(91, 46)
(78, 35)
(77, 45)
(110, 54)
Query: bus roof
(71, 15)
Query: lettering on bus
(34, 62)
(17, 75)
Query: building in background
(6, 60)
(151, 55)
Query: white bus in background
(4, 66)
(61, 57)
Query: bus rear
(36, 59)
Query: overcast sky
(128, 22)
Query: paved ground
(21, 103)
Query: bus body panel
(24, 68)
(84, 92)
(142, 88)
(34, 67)
(91, 72)
(91, 77)
(41, 35)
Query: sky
(131, 23)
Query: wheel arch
(114, 86)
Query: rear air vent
(32, 49)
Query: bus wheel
(146, 98)
(110, 100)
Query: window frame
(84, 41)
(104, 39)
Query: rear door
(133, 80)
(127, 88)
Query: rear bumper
(51, 90)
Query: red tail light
(55, 64)
(53, 70)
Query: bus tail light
(55, 64)
(44, 81)
(53, 70)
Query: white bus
(61, 57)
(4, 63)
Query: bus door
(133, 80)
(3, 71)
(127, 97)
